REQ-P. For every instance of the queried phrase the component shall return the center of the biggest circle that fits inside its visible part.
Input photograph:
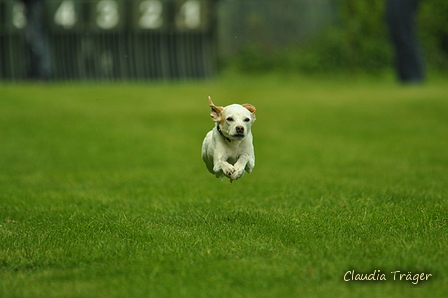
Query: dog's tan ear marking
(250, 107)
(216, 111)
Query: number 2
(151, 17)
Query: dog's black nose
(240, 129)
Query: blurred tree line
(356, 39)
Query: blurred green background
(196, 39)
(318, 36)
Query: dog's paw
(227, 169)
(237, 174)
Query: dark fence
(115, 39)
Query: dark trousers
(401, 20)
(39, 62)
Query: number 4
(65, 14)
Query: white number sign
(191, 14)
(151, 14)
(65, 15)
(18, 15)
(107, 14)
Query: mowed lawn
(103, 192)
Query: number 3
(107, 17)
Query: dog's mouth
(239, 136)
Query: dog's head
(234, 120)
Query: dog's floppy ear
(251, 109)
(216, 111)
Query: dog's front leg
(221, 164)
(243, 161)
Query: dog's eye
(229, 119)
(246, 120)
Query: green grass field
(104, 193)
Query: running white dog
(227, 149)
